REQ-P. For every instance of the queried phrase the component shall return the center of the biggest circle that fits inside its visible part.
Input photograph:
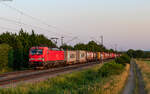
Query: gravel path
(131, 85)
(141, 85)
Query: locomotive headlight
(31, 59)
(41, 59)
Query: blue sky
(122, 22)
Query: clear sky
(122, 22)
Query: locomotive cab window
(36, 52)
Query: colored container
(98, 56)
(90, 56)
(71, 57)
(81, 56)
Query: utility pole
(62, 41)
(115, 47)
(102, 40)
(74, 38)
(54, 40)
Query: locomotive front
(36, 56)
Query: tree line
(21, 43)
(138, 53)
(90, 46)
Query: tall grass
(145, 69)
(96, 80)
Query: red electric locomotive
(45, 57)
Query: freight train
(44, 57)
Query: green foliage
(10, 58)
(6, 54)
(131, 52)
(80, 46)
(74, 83)
(123, 59)
(90, 46)
(111, 51)
(21, 43)
(110, 69)
(67, 47)
(138, 53)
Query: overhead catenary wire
(25, 14)
(31, 17)
(18, 22)
(72, 39)
(8, 28)
(95, 40)
(68, 34)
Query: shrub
(82, 82)
(110, 69)
(123, 59)
(6, 60)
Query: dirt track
(135, 84)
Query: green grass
(146, 61)
(83, 82)
(145, 70)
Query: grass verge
(145, 69)
(136, 82)
(107, 79)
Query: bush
(110, 69)
(6, 60)
(21, 43)
(82, 82)
(124, 59)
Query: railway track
(15, 77)
(13, 74)
(12, 78)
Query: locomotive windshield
(36, 52)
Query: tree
(67, 47)
(80, 46)
(137, 53)
(21, 43)
(131, 53)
